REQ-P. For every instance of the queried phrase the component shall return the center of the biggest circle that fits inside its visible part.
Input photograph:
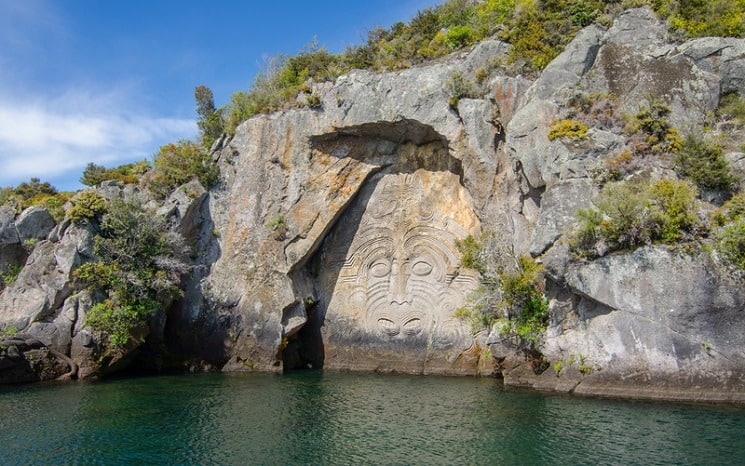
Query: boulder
(34, 223)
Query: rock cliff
(330, 240)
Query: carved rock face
(389, 272)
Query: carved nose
(398, 285)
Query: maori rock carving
(400, 279)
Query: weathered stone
(656, 310)
(46, 280)
(34, 223)
(11, 249)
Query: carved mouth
(409, 325)
(388, 327)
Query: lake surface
(336, 418)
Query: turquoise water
(333, 418)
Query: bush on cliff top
(128, 173)
(176, 164)
(537, 29)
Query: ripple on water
(332, 418)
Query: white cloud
(50, 134)
(55, 139)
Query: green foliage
(278, 222)
(523, 301)
(176, 164)
(514, 299)
(129, 173)
(704, 163)
(280, 81)
(538, 31)
(675, 205)
(86, 206)
(137, 269)
(629, 215)
(730, 237)
(34, 188)
(731, 243)
(731, 210)
(732, 107)
(210, 122)
(9, 275)
(470, 250)
(35, 193)
(569, 129)
(703, 18)
(459, 36)
(459, 87)
(651, 132)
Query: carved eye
(380, 269)
(421, 268)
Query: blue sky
(109, 81)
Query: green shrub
(650, 131)
(704, 163)
(176, 164)
(731, 210)
(9, 275)
(569, 129)
(629, 215)
(730, 242)
(511, 293)
(459, 87)
(459, 36)
(87, 206)
(210, 122)
(675, 202)
(732, 107)
(703, 18)
(523, 300)
(129, 173)
(137, 268)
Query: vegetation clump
(629, 215)
(136, 271)
(650, 132)
(35, 193)
(9, 275)
(87, 206)
(179, 163)
(730, 234)
(704, 163)
(128, 173)
(538, 31)
(568, 129)
(459, 87)
(512, 292)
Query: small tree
(210, 121)
(93, 174)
